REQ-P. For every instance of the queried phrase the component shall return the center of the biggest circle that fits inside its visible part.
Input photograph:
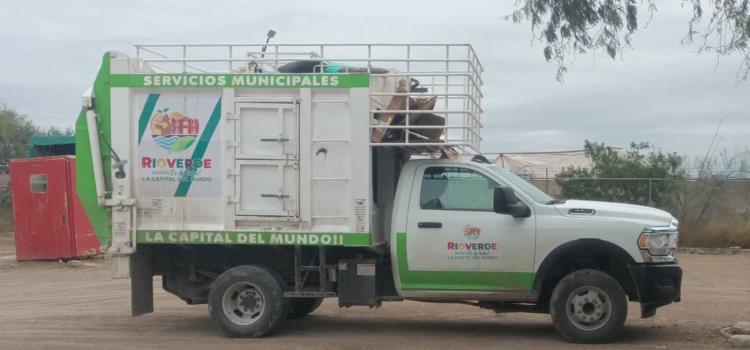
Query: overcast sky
(659, 91)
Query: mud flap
(141, 283)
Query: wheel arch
(556, 264)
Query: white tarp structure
(535, 165)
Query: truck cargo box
(228, 150)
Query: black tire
(301, 307)
(588, 306)
(246, 301)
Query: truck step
(309, 294)
(310, 268)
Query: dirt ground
(55, 305)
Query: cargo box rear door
(267, 159)
(267, 188)
(267, 130)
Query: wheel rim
(243, 303)
(589, 308)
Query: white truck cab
(466, 230)
(298, 173)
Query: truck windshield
(532, 191)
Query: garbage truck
(261, 179)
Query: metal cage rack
(448, 73)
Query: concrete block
(741, 328)
(740, 341)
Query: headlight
(659, 244)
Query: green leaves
(15, 132)
(578, 26)
(572, 27)
(639, 175)
(182, 143)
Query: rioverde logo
(175, 163)
(472, 232)
(472, 246)
(174, 131)
(178, 142)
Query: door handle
(271, 195)
(283, 139)
(430, 224)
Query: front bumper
(657, 285)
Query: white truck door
(454, 239)
(266, 159)
(267, 130)
(267, 188)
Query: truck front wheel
(588, 306)
(246, 301)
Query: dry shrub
(6, 212)
(6, 220)
(716, 234)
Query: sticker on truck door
(473, 248)
(178, 144)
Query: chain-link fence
(712, 212)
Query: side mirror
(505, 202)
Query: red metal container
(50, 221)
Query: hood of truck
(581, 208)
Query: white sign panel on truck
(178, 144)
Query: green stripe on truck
(148, 109)
(345, 239)
(457, 280)
(85, 188)
(250, 80)
(200, 149)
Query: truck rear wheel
(588, 306)
(301, 307)
(246, 301)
